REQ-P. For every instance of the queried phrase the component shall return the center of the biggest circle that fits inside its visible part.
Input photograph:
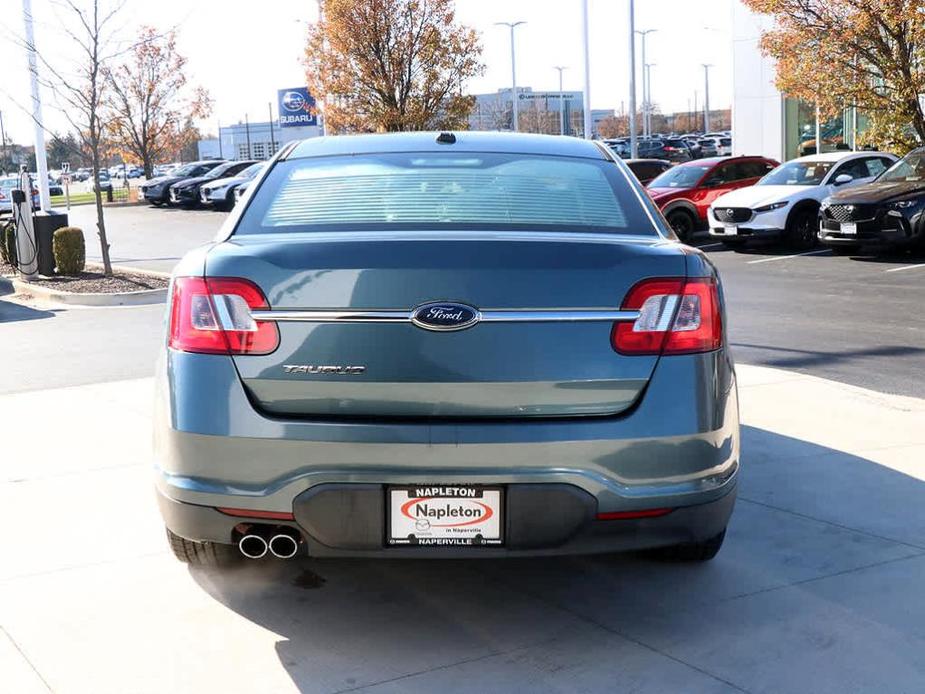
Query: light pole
(706, 97)
(648, 114)
(586, 105)
(645, 82)
(561, 68)
(512, 26)
(41, 164)
(634, 148)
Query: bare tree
(82, 94)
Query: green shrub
(68, 246)
(9, 244)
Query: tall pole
(818, 132)
(587, 60)
(634, 145)
(706, 98)
(220, 155)
(247, 132)
(272, 142)
(2, 139)
(646, 123)
(648, 67)
(512, 26)
(560, 68)
(40, 161)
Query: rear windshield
(454, 191)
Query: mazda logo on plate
(444, 315)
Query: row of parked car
(675, 149)
(842, 199)
(213, 182)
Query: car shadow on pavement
(11, 311)
(764, 614)
(802, 358)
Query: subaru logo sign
(293, 101)
(296, 108)
(444, 315)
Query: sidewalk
(819, 586)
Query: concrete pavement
(818, 588)
(147, 237)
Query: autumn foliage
(864, 53)
(151, 106)
(391, 65)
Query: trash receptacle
(45, 225)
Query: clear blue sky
(243, 55)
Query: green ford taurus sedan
(445, 345)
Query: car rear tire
(683, 224)
(802, 229)
(691, 551)
(211, 554)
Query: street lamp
(512, 26)
(586, 102)
(706, 97)
(634, 151)
(648, 97)
(561, 68)
(645, 82)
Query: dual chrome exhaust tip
(280, 545)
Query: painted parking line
(906, 267)
(787, 257)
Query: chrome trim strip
(487, 316)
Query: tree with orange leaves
(149, 101)
(864, 53)
(391, 65)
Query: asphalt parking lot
(818, 588)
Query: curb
(144, 297)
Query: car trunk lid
(348, 346)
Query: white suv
(785, 203)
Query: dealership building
(246, 140)
(766, 122)
(536, 111)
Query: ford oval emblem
(444, 315)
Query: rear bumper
(678, 448)
(571, 529)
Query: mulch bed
(94, 282)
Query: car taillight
(676, 316)
(213, 316)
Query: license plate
(849, 228)
(440, 515)
(731, 230)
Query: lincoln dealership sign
(296, 108)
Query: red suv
(684, 192)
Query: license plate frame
(428, 528)
(848, 228)
(730, 230)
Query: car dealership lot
(818, 587)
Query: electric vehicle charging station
(27, 256)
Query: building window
(242, 152)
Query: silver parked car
(469, 344)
